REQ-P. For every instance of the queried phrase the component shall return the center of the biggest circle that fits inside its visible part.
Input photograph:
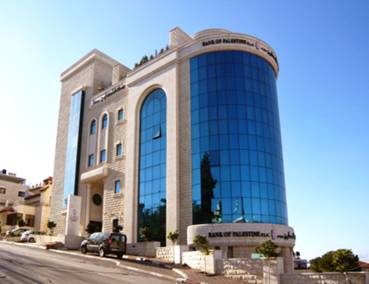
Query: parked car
(17, 232)
(29, 236)
(105, 243)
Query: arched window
(152, 166)
(93, 127)
(104, 121)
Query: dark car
(105, 243)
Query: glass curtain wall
(152, 168)
(237, 166)
(73, 146)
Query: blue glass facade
(237, 166)
(73, 146)
(152, 168)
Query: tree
(51, 225)
(315, 264)
(267, 249)
(208, 184)
(144, 234)
(21, 223)
(344, 260)
(341, 260)
(173, 237)
(201, 242)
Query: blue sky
(323, 88)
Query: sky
(323, 88)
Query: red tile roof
(8, 210)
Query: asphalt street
(20, 265)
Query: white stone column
(72, 222)
(172, 162)
(88, 201)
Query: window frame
(117, 155)
(93, 130)
(104, 121)
(121, 111)
(90, 165)
(117, 181)
(103, 151)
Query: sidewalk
(152, 266)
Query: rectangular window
(117, 186)
(102, 156)
(119, 150)
(120, 114)
(91, 160)
(72, 154)
(2, 190)
(21, 193)
(30, 220)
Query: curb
(116, 262)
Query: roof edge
(89, 57)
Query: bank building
(188, 140)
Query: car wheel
(102, 252)
(83, 249)
(119, 255)
(31, 240)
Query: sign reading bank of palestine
(252, 234)
(247, 42)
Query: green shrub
(173, 236)
(201, 242)
(267, 249)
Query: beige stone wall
(11, 193)
(91, 74)
(242, 269)
(158, 74)
(185, 154)
(83, 79)
(325, 278)
(143, 248)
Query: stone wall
(194, 259)
(199, 261)
(171, 253)
(242, 269)
(143, 248)
(165, 253)
(325, 278)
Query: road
(19, 264)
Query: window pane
(117, 186)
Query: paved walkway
(196, 277)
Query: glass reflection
(237, 166)
(152, 174)
(73, 146)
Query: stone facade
(110, 86)
(325, 278)
(10, 186)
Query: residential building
(33, 207)
(12, 189)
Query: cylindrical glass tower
(237, 164)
